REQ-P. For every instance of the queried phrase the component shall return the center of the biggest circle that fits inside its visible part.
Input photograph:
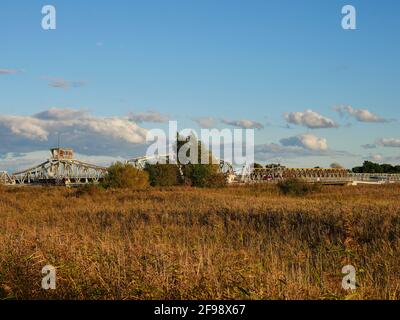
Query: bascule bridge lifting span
(60, 169)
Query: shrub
(257, 166)
(89, 189)
(199, 174)
(216, 180)
(336, 165)
(297, 187)
(163, 175)
(122, 175)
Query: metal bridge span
(316, 175)
(62, 169)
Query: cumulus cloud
(244, 124)
(8, 71)
(309, 119)
(276, 152)
(361, 115)
(151, 116)
(297, 147)
(79, 129)
(389, 142)
(375, 157)
(61, 83)
(205, 122)
(379, 158)
(24, 127)
(61, 114)
(307, 141)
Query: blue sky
(226, 60)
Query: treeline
(196, 175)
(371, 167)
(193, 173)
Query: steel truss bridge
(140, 163)
(315, 175)
(60, 169)
(59, 172)
(63, 169)
(5, 178)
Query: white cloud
(8, 71)
(379, 158)
(361, 115)
(205, 122)
(61, 114)
(389, 142)
(376, 157)
(151, 116)
(297, 148)
(309, 119)
(277, 150)
(25, 127)
(244, 124)
(272, 152)
(79, 129)
(307, 141)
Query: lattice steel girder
(317, 174)
(63, 170)
(140, 162)
(5, 178)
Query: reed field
(245, 242)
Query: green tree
(371, 167)
(336, 165)
(195, 172)
(122, 175)
(163, 175)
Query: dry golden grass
(183, 243)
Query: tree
(371, 167)
(273, 165)
(163, 175)
(195, 172)
(336, 165)
(122, 175)
(297, 187)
